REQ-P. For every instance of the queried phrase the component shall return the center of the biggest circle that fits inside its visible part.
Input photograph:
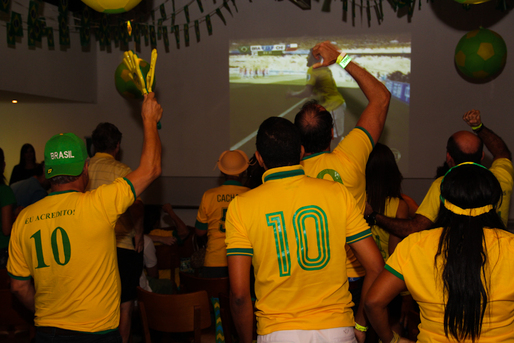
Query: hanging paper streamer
(153, 40)
(209, 24)
(16, 24)
(186, 12)
(197, 30)
(159, 28)
(63, 7)
(11, 38)
(186, 34)
(165, 38)
(4, 6)
(199, 2)
(31, 39)
(218, 12)
(234, 3)
(163, 11)
(177, 36)
(64, 32)
(225, 4)
(33, 11)
(136, 33)
(50, 37)
(85, 36)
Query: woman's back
(413, 261)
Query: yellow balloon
(111, 6)
(471, 2)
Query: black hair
(23, 150)
(106, 137)
(2, 161)
(383, 178)
(315, 125)
(278, 143)
(459, 156)
(254, 173)
(463, 250)
(39, 169)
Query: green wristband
(360, 327)
(344, 62)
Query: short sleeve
(202, 222)
(429, 208)
(357, 145)
(356, 227)
(16, 264)
(401, 255)
(237, 240)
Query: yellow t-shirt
(502, 170)
(66, 242)
(346, 165)
(103, 170)
(380, 235)
(211, 217)
(295, 227)
(324, 88)
(413, 262)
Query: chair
(174, 313)
(213, 286)
(14, 316)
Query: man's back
(295, 228)
(66, 242)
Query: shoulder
(358, 137)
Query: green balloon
(124, 84)
(480, 53)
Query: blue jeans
(56, 335)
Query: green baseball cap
(65, 154)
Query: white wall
(193, 88)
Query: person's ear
(259, 159)
(302, 152)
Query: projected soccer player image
(322, 87)
(274, 77)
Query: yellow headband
(471, 212)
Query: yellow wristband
(344, 61)
(476, 127)
(340, 57)
(396, 338)
(360, 327)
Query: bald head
(315, 125)
(464, 146)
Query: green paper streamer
(85, 36)
(50, 37)
(31, 36)
(209, 24)
(64, 32)
(159, 29)
(163, 11)
(104, 23)
(186, 34)
(197, 30)
(137, 34)
(200, 6)
(173, 3)
(16, 24)
(4, 7)
(38, 30)
(234, 3)
(326, 6)
(33, 11)
(177, 36)
(85, 17)
(345, 5)
(145, 34)
(11, 38)
(173, 19)
(165, 36)
(153, 40)
(186, 12)
(63, 7)
(225, 4)
(218, 12)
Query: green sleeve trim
(102, 332)
(201, 226)
(394, 272)
(358, 237)
(131, 187)
(244, 252)
(19, 277)
(367, 133)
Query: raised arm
(374, 115)
(492, 141)
(150, 164)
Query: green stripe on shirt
(240, 251)
(201, 226)
(358, 237)
(394, 272)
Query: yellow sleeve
(356, 227)
(237, 240)
(429, 208)
(357, 146)
(202, 221)
(16, 265)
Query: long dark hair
(2, 160)
(24, 149)
(463, 249)
(383, 178)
